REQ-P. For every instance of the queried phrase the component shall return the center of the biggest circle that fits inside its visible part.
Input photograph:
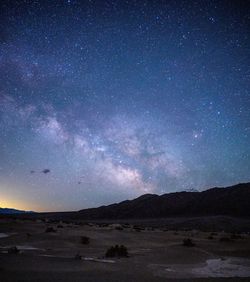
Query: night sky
(103, 101)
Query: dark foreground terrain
(155, 251)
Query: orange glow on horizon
(6, 202)
(12, 204)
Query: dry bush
(225, 239)
(78, 256)
(188, 242)
(13, 250)
(117, 251)
(235, 236)
(50, 229)
(84, 240)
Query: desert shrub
(78, 256)
(117, 251)
(59, 226)
(118, 228)
(50, 229)
(64, 222)
(13, 250)
(235, 236)
(188, 242)
(84, 240)
(210, 237)
(225, 239)
(138, 228)
(104, 225)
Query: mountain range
(12, 211)
(233, 201)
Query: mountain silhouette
(13, 211)
(233, 201)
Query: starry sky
(103, 101)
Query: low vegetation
(138, 228)
(13, 250)
(84, 240)
(119, 228)
(235, 236)
(225, 239)
(188, 242)
(50, 230)
(117, 251)
(78, 256)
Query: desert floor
(155, 254)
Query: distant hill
(233, 201)
(13, 211)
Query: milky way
(102, 101)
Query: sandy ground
(154, 254)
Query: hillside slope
(233, 201)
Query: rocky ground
(154, 254)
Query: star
(103, 101)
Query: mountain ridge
(13, 211)
(233, 200)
